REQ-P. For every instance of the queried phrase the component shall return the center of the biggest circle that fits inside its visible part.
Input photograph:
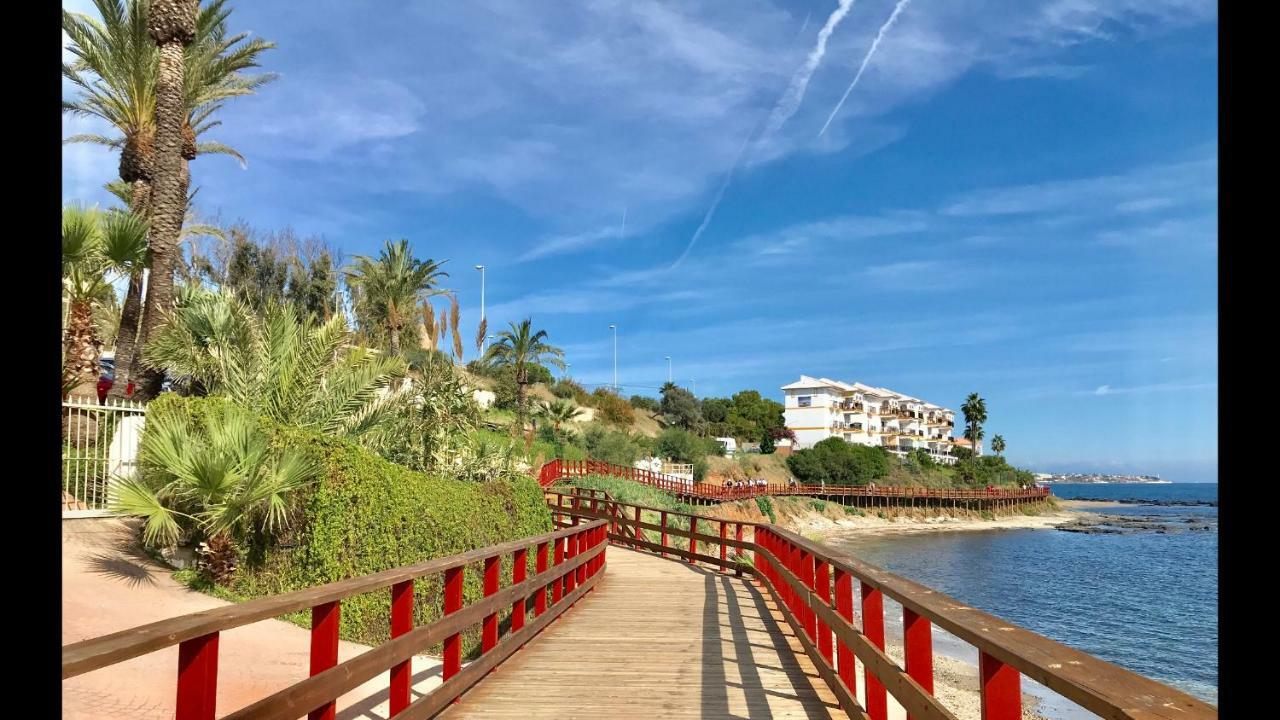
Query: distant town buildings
(819, 408)
(1099, 478)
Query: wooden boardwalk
(658, 638)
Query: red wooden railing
(813, 586)
(579, 562)
(560, 469)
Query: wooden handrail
(559, 469)
(800, 573)
(574, 573)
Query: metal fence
(99, 446)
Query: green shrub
(991, 470)
(765, 503)
(366, 515)
(566, 389)
(646, 403)
(613, 409)
(612, 446)
(684, 446)
(836, 462)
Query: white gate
(99, 446)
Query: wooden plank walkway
(658, 638)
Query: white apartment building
(820, 408)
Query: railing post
(1001, 691)
(844, 654)
(557, 585)
(917, 640)
(452, 604)
(737, 535)
(693, 543)
(540, 566)
(197, 678)
(572, 552)
(822, 584)
(324, 650)
(401, 623)
(807, 577)
(724, 549)
(584, 543)
(663, 522)
(639, 533)
(793, 565)
(519, 571)
(489, 628)
(873, 628)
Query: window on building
(805, 400)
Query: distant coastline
(1099, 479)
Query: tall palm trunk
(127, 335)
(171, 24)
(131, 313)
(81, 344)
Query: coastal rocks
(1162, 503)
(1122, 524)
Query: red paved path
(107, 585)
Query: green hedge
(366, 515)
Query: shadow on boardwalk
(657, 638)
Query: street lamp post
(668, 368)
(614, 328)
(483, 345)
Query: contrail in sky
(804, 24)
(711, 211)
(790, 100)
(623, 232)
(897, 10)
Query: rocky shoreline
(1160, 503)
(1099, 524)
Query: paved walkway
(108, 585)
(657, 638)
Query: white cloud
(1153, 388)
(1191, 180)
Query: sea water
(1143, 600)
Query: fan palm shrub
(212, 479)
(97, 249)
(275, 363)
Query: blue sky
(1018, 198)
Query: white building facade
(819, 408)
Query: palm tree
(520, 347)
(276, 364)
(558, 412)
(115, 71)
(975, 413)
(97, 248)
(387, 289)
(997, 444)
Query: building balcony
(856, 406)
